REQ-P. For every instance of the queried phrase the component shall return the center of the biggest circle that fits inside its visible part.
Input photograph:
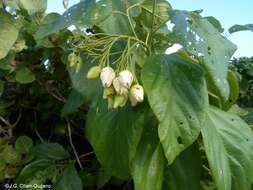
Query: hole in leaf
(179, 140)
(247, 139)
(232, 119)
(209, 48)
(230, 100)
(181, 123)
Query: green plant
(166, 122)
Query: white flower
(125, 78)
(116, 85)
(121, 90)
(107, 75)
(136, 94)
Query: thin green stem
(153, 22)
(130, 21)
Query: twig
(50, 89)
(72, 145)
(35, 128)
(9, 125)
(5, 121)
(38, 134)
(85, 155)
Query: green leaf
(69, 180)
(114, 136)
(185, 172)
(202, 39)
(177, 93)
(228, 143)
(162, 11)
(87, 88)
(74, 101)
(88, 13)
(34, 6)
(23, 144)
(37, 172)
(50, 18)
(116, 23)
(12, 3)
(237, 28)
(12, 156)
(80, 13)
(215, 23)
(234, 90)
(52, 151)
(24, 75)
(8, 34)
(149, 162)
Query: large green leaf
(88, 13)
(69, 180)
(52, 151)
(149, 162)
(185, 172)
(43, 29)
(201, 38)
(8, 34)
(37, 172)
(237, 28)
(115, 135)
(33, 6)
(228, 144)
(116, 23)
(177, 93)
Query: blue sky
(228, 12)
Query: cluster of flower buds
(118, 89)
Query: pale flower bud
(119, 101)
(116, 85)
(125, 78)
(108, 91)
(110, 102)
(107, 75)
(121, 90)
(93, 72)
(136, 94)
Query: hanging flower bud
(108, 91)
(107, 75)
(110, 102)
(116, 85)
(121, 90)
(136, 94)
(125, 78)
(119, 101)
(93, 72)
